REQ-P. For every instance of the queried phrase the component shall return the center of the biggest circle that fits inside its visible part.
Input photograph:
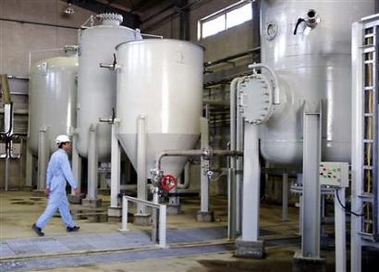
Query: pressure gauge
(271, 30)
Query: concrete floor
(192, 246)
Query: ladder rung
(369, 115)
(369, 62)
(368, 88)
(370, 141)
(369, 35)
(368, 48)
(366, 167)
(367, 197)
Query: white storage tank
(96, 85)
(52, 97)
(313, 63)
(162, 80)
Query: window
(224, 19)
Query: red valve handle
(168, 182)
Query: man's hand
(47, 192)
(77, 191)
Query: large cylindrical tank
(96, 85)
(52, 97)
(161, 80)
(313, 63)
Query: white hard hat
(62, 139)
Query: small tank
(52, 97)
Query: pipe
(35, 23)
(184, 25)
(276, 81)
(186, 182)
(207, 153)
(226, 59)
(233, 99)
(5, 89)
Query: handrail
(162, 224)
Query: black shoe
(37, 230)
(74, 228)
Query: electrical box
(334, 174)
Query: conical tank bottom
(157, 143)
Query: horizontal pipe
(226, 59)
(35, 23)
(195, 152)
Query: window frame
(222, 13)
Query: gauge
(271, 30)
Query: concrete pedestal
(309, 264)
(39, 193)
(205, 216)
(142, 219)
(114, 214)
(250, 249)
(74, 199)
(174, 209)
(94, 203)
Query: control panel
(334, 174)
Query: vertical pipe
(340, 229)
(251, 185)
(232, 199)
(29, 168)
(92, 163)
(115, 166)
(184, 20)
(356, 144)
(43, 156)
(204, 192)
(231, 204)
(124, 214)
(76, 163)
(6, 172)
(285, 197)
(141, 164)
(311, 187)
(239, 162)
(162, 226)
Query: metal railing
(161, 219)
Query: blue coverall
(58, 171)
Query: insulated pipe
(186, 182)
(207, 153)
(233, 110)
(239, 164)
(276, 100)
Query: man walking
(58, 172)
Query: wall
(35, 29)
(45, 27)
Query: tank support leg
(141, 217)
(248, 245)
(310, 233)
(43, 157)
(205, 214)
(91, 200)
(114, 210)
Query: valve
(168, 182)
